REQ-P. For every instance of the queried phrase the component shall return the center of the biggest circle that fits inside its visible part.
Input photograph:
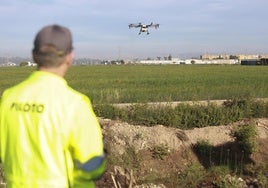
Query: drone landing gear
(147, 32)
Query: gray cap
(56, 36)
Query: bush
(203, 147)
(185, 116)
(246, 138)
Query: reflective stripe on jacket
(44, 126)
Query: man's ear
(69, 58)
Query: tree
(192, 61)
(234, 57)
(24, 63)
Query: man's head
(51, 46)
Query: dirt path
(175, 103)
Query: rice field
(157, 83)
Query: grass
(155, 83)
(13, 75)
(151, 83)
(129, 84)
(139, 83)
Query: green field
(151, 83)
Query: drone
(143, 27)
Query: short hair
(47, 57)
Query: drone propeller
(156, 26)
(153, 25)
(135, 25)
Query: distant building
(261, 61)
(250, 62)
(238, 56)
(27, 64)
(264, 56)
(252, 56)
(10, 64)
(190, 61)
(264, 61)
(212, 57)
(31, 64)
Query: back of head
(52, 43)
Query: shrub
(246, 137)
(203, 147)
(185, 116)
(192, 176)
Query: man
(49, 134)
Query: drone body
(143, 27)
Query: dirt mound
(161, 150)
(123, 135)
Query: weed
(183, 116)
(191, 176)
(159, 151)
(246, 137)
(131, 159)
(230, 181)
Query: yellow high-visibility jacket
(49, 135)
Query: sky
(100, 27)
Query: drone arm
(135, 25)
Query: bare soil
(161, 152)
